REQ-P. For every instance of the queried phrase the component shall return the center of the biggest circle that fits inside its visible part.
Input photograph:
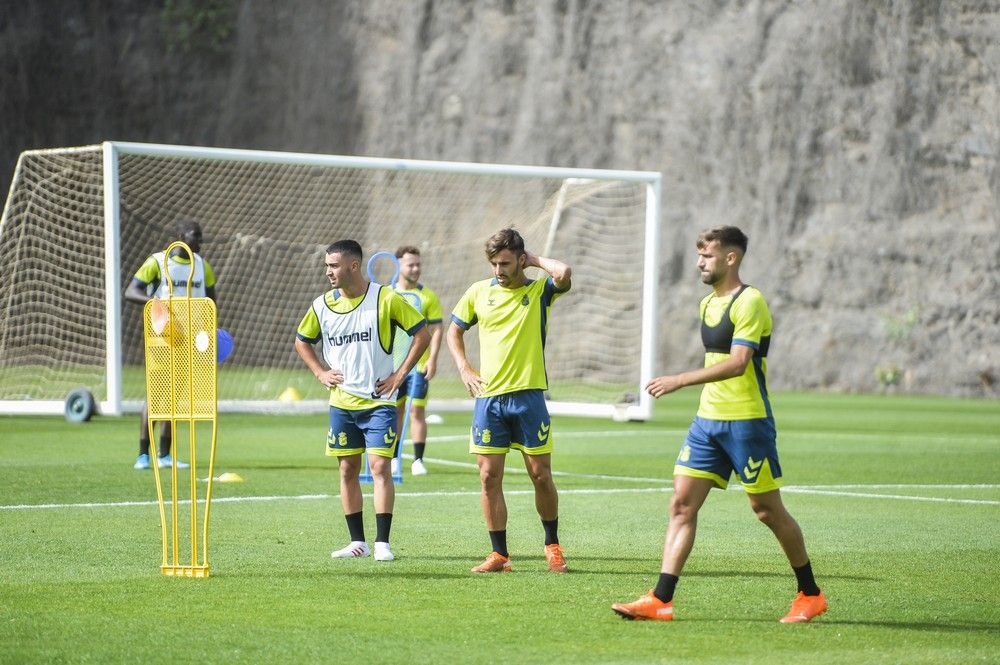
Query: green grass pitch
(897, 496)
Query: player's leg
(688, 498)
(809, 601)
(494, 505)
(346, 442)
(528, 417)
(380, 442)
(142, 461)
(700, 466)
(490, 442)
(547, 504)
(418, 421)
(401, 398)
(754, 453)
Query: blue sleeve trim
(433, 321)
(746, 342)
(463, 324)
(136, 280)
(551, 282)
(412, 331)
(310, 340)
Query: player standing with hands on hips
(149, 283)
(416, 385)
(510, 411)
(733, 430)
(355, 321)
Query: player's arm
(735, 365)
(305, 339)
(456, 345)
(560, 272)
(421, 338)
(136, 292)
(210, 281)
(430, 368)
(148, 273)
(328, 377)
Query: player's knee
(681, 509)
(490, 477)
(540, 477)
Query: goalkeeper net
(79, 222)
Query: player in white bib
(355, 322)
(148, 283)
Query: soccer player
(355, 321)
(148, 283)
(510, 410)
(416, 384)
(732, 431)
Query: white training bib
(179, 273)
(351, 344)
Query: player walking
(355, 322)
(733, 430)
(510, 410)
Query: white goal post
(78, 222)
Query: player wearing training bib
(417, 383)
(150, 282)
(355, 322)
(733, 431)
(512, 314)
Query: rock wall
(855, 142)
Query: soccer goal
(79, 221)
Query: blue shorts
(714, 449)
(353, 432)
(415, 387)
(518, 420)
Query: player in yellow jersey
(149, 282)
(510, 412)
(416, 385)
(732, 432)
(355, 322)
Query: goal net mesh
(266, 226)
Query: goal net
(78, 223)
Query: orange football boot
(648, 607)
(805, 608)
(495, 563)
(554, 555)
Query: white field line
(792, 489)
(898, 497)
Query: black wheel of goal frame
(80, 406)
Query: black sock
(499, 541)
(807, 583)
(551, 531)
(164, 446)
(144, 446)
(665, 587)
(383, 522)
(356, 526)
(418, 450)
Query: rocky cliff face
(855, 142)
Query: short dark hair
(728, 236)
(185, 227)
(407, 249)
(347, 247)
(505, 239)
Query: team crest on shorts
(487, 436)
(342, 439)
